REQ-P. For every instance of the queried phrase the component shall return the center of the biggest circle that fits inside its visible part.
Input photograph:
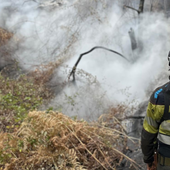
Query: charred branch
(81, 55)
(125, 6)
(141, 6)
(131, 117)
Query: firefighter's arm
(148, 145)
(150, 131)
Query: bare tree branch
(125, 6)
(81, 55)
(141, 6)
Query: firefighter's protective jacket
(154, 127)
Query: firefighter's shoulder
(157, 97)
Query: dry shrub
(4, 36)
(8, 65)
(43, 73)
(111, 119)
(117, 118)
(51, 140)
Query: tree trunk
(167, 7)
(133, 39)
(141, 6)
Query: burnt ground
(134, 149)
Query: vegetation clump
(4, 36)
(51, 140)
(31, 139)
(17, 98)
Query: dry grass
(55, 141)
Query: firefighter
(156, 129)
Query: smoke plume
(47, 31)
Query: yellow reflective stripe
(165, 127)
(149, 128)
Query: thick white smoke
(48, 31)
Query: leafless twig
(125, 6)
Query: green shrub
(17, 98)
